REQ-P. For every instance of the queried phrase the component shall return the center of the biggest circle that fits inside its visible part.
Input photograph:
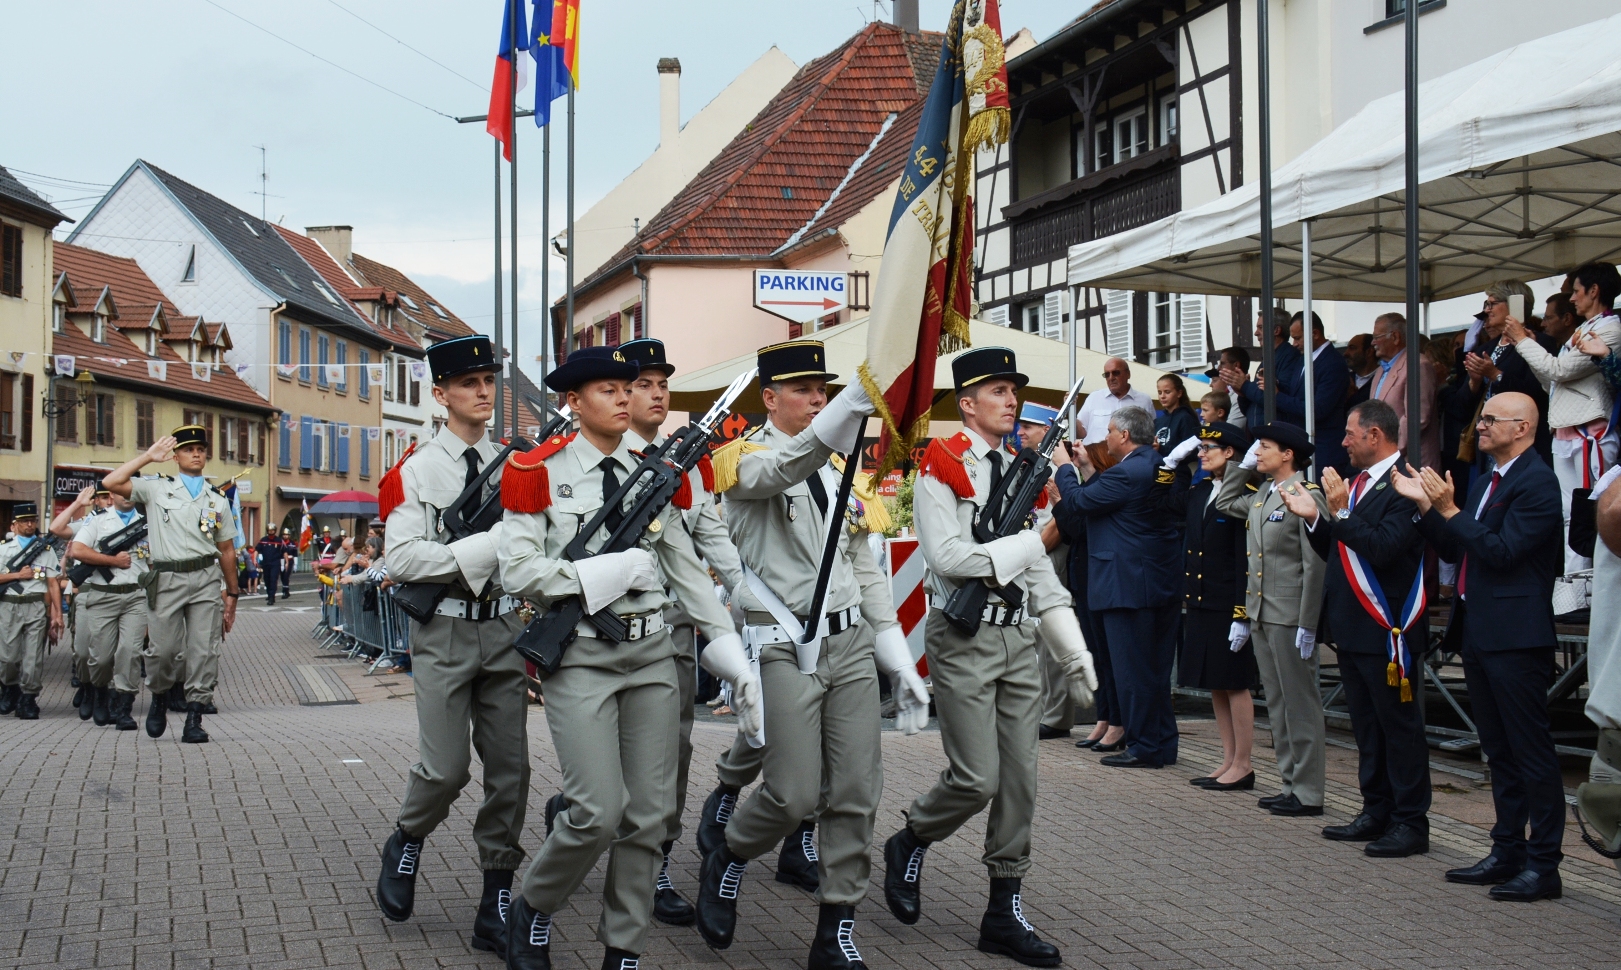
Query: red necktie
(1357, 485)
(1463, 568)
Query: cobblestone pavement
(260, 850)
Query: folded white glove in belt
(837, 424)
(1238, 634)
(894, 658)
(724, 657)
(1062, 631)
(1012, 555)
(611, 575)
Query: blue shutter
(343, 361)
(365, 454)
(342, 445)
(285, 458)
(306, 442)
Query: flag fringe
(987, 129)
(900, 443)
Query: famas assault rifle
(1006, 512)
(649, 488)
(472, 513)
(23, 560)
(123, 540)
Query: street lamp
(52, 409)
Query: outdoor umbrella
(346, 503)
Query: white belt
(996, 614)
(475, 610)
(640, 626)
(836, 623)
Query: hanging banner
(158, 370)
(376, 373)
(201, 370)
(64, 365)
(419, 370)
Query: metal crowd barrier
(379, 634)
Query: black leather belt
(184, 565)
(24, 598)
(112, 587)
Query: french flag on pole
(499, 122)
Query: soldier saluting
(611, 706)
(30, 611)
(191, 533)
(468, 679)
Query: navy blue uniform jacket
(1134, 551)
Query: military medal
(655, 526)
(565, 491)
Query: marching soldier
(110, 613)
(86, 505)
(821, 701)
(191, 533)
(987, 687)
(611, 707)
(470, 685)
(30, 611)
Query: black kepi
(591, 364)
(191, 434)
(794, 360)
(647, 353)
(983, 363)
(448, 358)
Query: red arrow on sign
(824, 303)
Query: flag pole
(545, 244)
(569, 253)
(511, 429)
(497, 277)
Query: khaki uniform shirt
(534, 563)
(778, 531)
(45, 565)
(709, 539)
(418, 550)
(180, 527)
(1285, 575)
(106, 523)
(945, 533)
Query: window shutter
(416, 393)
(996, 315)
(341, 446)
(611, 331)
(284, 456)
(365, 452)
(1052, 315)
(11, 260)
(1192, 337)
(27, 429)
(636, 321)
(1117, 323)
(306, 442)
(259, 456)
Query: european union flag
(551, 73)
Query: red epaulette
(525, 486)
(943, 461)
(390, 489)
(706, 473)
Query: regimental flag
(499, 120)
(565, 35)
(552, 78)
(924, 295)
(306, 528)
(229, 491)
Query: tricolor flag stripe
(499, 120)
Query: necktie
(1357, 485)
(1384, 372)
(610, 485)
(471, 457)
(995, 458)
(818, 492)
(1463, 567)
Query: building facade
(26, 277)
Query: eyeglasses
(1490, 420)
(1492, 301)
(1116, 373)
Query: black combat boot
(490, 927)
(1004, 929)
(9, 696)
(397, 884)
(529, 937)
(102, 712)
(78, 692)
(718, 808)
(157, 716)
(669, 906)
(87, 702)
(834, 947)
(177, 698)
(193, 732)
(718, 884)
(903, 872)
(123, 705)
(796, 866)
(617, 959)
(28, 707)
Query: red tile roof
(442, 325)
(120, 359)
(322, 262)
(786, 163)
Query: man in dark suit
(1284, 359)
(1371, 531)
(1133, 581)
(1363, 364)
(1330, 377)
(1507, 543)
(1107, 735)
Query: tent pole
(1307, 335)
(1415, 451)
(1074, 324)
(1263, 76)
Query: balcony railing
(1046, 233)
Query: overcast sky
(194, 85)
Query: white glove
(1250, 457)
(894, 658)
(1238, 634)
(1180, 453)
(611, 575)
(1012, 555)
(1062, 631)
(1306, 640)
(837, 424)
(1605, 482)
(724, 657)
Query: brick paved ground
(260, 850)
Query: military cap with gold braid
(24, 510)
(647, 353)
(793, 360)
(449, 358)
(983, 363)
(592, 364)
(191, 434)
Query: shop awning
(1519, 172)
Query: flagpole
(514, 11)
(512, 200)
(498, 268)
(569, 315)
(545, 236)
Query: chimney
(906, 15)
(338, 240)
(669, 101)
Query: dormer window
(191, 351)
(58, 317)
(151, 343)
(190, 275)
(98, 328)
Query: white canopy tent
(1519, 171)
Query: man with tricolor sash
(1374, 602)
